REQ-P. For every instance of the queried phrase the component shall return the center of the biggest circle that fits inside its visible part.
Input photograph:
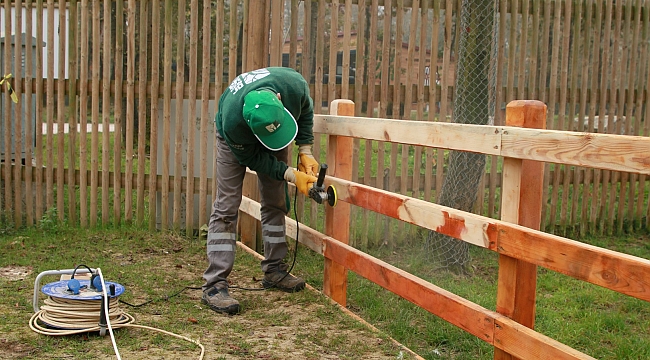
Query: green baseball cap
(271, 122)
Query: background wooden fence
(154, 70)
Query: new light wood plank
(601, 151)
(466, 137)
(522, 204)
(337, 220)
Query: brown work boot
(220, 301)
(282, 280)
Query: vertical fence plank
(422, 61)
(38, 211)
(219, 81)
(49, 166)
(319, 72)
(29, 66)
(572, 173)
(337, 220)
(130, 108)
(334, 47)
(370, 218)
(191, 117)
(557, 13)
(277, 32)
(360, 56)
(178, 124)
(397, 104)
(512, 51)
(521, 204)
(106, 111)
(73, 112)
(18, 131)
(613, 109)
(523, 53)
(383, 106)
(6, 166)
(605, 174)
(597, 101)
(167, 101)
(155, 117)
(620, 124)
(141, 114)
(498, 115)
(587, 63)
(560, 124)
(639, 115)
(60, 114)
(629, 128)
(232, 45)
(646, 128)
(118, 114)
(94, 150)
(408, 104)
(205, 112)
(293, 36)
(83, 115)
(434, 110)
(544, 95)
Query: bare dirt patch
(14, 272)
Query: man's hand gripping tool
(318, 192)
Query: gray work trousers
(222, 228)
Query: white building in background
(60, 36)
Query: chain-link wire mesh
(474, 103)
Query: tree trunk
(472, 105)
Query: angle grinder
(318, 192)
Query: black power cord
(295, 251)
(293, 263)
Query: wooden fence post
(521, 204)
(337, 219)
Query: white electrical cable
(108, 319)
(69, 316)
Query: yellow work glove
(308, 163)
(302, 181)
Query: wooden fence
(587, 60)
(521, 246)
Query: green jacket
(231, 125)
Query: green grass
(594, 320)
(154, 266)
